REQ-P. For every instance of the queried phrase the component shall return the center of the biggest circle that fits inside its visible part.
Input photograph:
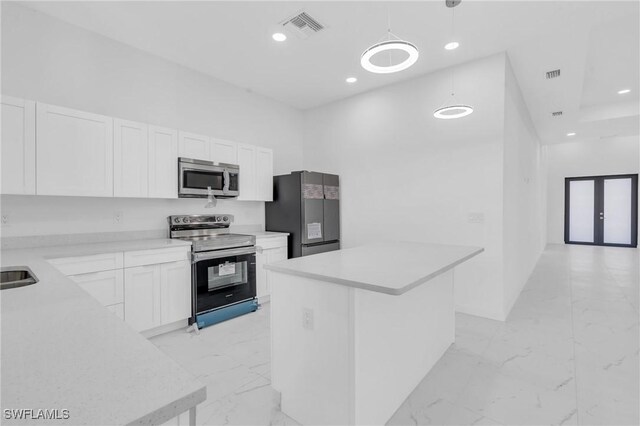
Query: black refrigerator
(307, 206)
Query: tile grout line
(573, 338)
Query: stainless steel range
(223, 267)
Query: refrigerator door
(331, 209)
(312, 208)
(320, 248)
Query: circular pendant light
(453, 111)
(389, 46)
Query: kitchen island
(354, 331)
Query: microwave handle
(225, 177)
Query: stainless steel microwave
(196, 176)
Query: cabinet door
(224, 151)
(264, 174)
(118, 310)
(18, 146)
(194, 146)
(74, 154)
(131, 159)
(247, 163)
(261, 274)
(106, 286)
(163, 162)
(142, 297)
(175, 292)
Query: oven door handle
(197, 257)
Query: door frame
(598, 206)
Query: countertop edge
(173, 409)
(371, 287)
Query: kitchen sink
(16, 276)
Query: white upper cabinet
(247, 163)
(131, 159)
(74, 154)
(194, 146)
(223, 151)
(18, 146)
(264, 174)
(163, 162)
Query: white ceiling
(595, 43)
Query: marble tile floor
(567, 354)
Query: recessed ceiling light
(351, 80)
(623, 91)
(571, 134)
(279, 36)
(452, 45)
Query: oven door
(196, 176)
(224, 277)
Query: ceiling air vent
(553, 74)
(556, 114)
(302, 25)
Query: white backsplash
(43, 215)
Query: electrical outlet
(307, 319)
(5, 219)
(117, 217)
(476, 217)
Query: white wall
(524, 193)
(605, 157)
(408, 176)
(48, 60)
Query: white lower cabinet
(106, 286)
(274, 249)
(146, 288)
(156, 295)
(142, 295)
(117, 309)
(175, 291)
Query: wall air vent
(553, 74)
(302, 25)
(556, 114)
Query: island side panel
(398, 339)
(312, 360)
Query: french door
(601, 210)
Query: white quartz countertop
(61, 349)
(392, 268)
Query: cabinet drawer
(106, 286)
(86, 264)
(271, 242)
(117, 309)
(155, 256)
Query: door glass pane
(581, 204)
(617, 211)
(226, 274)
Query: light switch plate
(307, 319)
(476, 217)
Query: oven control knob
(226, 219)
(185, 220)
(219, 219)
(176, 220)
